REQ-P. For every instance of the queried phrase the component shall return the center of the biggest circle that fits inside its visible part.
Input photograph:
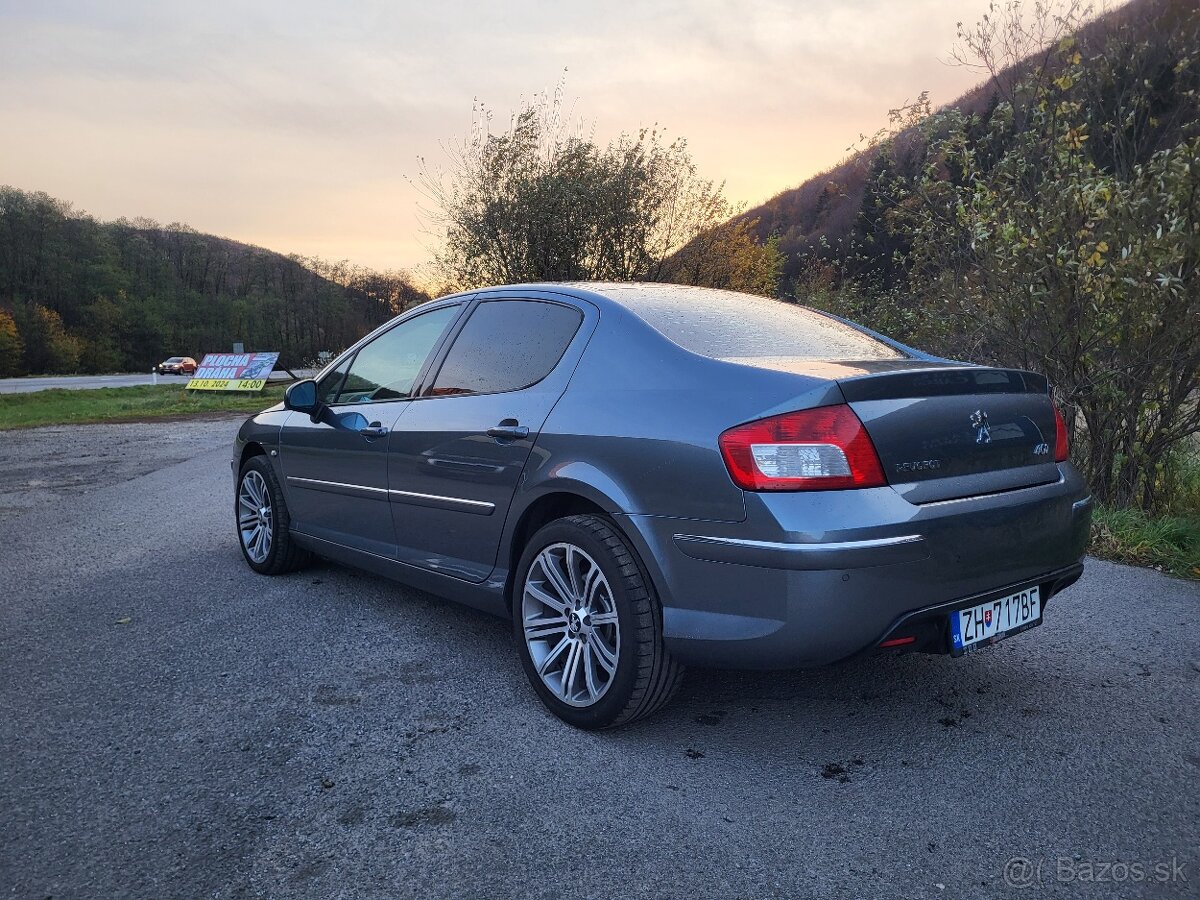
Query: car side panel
(263, 431)
(451, 482)
(647, 415)
(336, 477)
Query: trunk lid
(947, 432)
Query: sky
(298, 126)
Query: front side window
(507, 345)
(386, 368)
(331, 383)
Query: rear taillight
(821, 449)
(1062, 448)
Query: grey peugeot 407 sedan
(646, 476)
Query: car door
(335, 466)
(455, 458)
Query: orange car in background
(177, 365)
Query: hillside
(811, 219)
(1049, 220)
(77, 294)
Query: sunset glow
(296, 126)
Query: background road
(80, 382)
(174, 725)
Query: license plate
(978, 626)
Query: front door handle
(375, 429)
(508, 429)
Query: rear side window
(507, 345)
(732, 326)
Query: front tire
(589, 627)
(263, 523)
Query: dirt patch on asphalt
(65, 460)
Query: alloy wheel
(255, 516)
(570, 624)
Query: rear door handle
(508, 429)
(375, 429)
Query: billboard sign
(233, 372)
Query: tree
(543, 202)
(126, 294)
(1049, 239)
(48, 346)
(728, 257)
(12, 348)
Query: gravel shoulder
(176, 726)
(52, 463)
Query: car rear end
(919, 504)
(932, 510)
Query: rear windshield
(733, 326)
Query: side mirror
(301, 396)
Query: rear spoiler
(942, 381)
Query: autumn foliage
(79, 295)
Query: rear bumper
(804, 557)
(929, 629)
(811, 579)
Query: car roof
(723, 324)
(631, 294)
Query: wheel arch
(540, 511)
(568, 497)
(251, 449)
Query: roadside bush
(1042, 235)
(1181, 480)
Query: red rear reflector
(820, 449)
(1061, 448)
(899, 642)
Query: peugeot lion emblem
(979, 421)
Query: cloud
(292, 124)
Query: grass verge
(1167, 543)
(58, 406)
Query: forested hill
(80, 295)
(827, 216)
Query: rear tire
(588, 626)
(263, 523)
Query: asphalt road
(175, 726)
(82, 382)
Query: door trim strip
(436, 501)
(412, 498)
(338, 487)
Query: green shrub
(1168, 543)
